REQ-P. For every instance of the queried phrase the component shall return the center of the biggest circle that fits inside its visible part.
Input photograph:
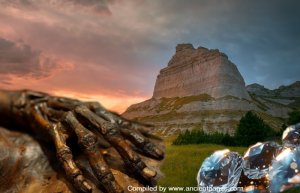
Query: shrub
(252, 129)
(199, 136)
(294, 117)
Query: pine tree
(294, 117)
(252, 129)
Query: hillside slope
(202, 88)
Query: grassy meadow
(182, 163)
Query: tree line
(250, 130)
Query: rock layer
(197, 71)
(201, 88)
(170, 115)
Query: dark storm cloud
(20, 60)
(260, 37)
(263, 40)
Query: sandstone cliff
(199, 71)
(202, 88)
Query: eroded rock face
(202, 88)
(282, 92)
(170, 115)
(197, 71)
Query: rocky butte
(201, 88)
(199, 71)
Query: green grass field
(183, 162)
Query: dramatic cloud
(97, 6)
(117, 48)
(20, 60)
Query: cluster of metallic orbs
(265, 168)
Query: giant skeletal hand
(60, 118)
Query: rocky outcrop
(171, 115)
(277, 102)
(199, 71)
(201, 88)
(258, 89)
(292, 90)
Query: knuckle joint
(88, 141)
(111, 130)
(136, 166)
(106, 178)
(74, 174)
(64, 154)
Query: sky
(112, 50)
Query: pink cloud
(72, 50)
(19, 59)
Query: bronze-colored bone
(45, 114)
(123, 123)
(88, 142)
(146, 147)
(64, 155)
(113, 135)
(137, 137)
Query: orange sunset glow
(112, 50)
(85, 51)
